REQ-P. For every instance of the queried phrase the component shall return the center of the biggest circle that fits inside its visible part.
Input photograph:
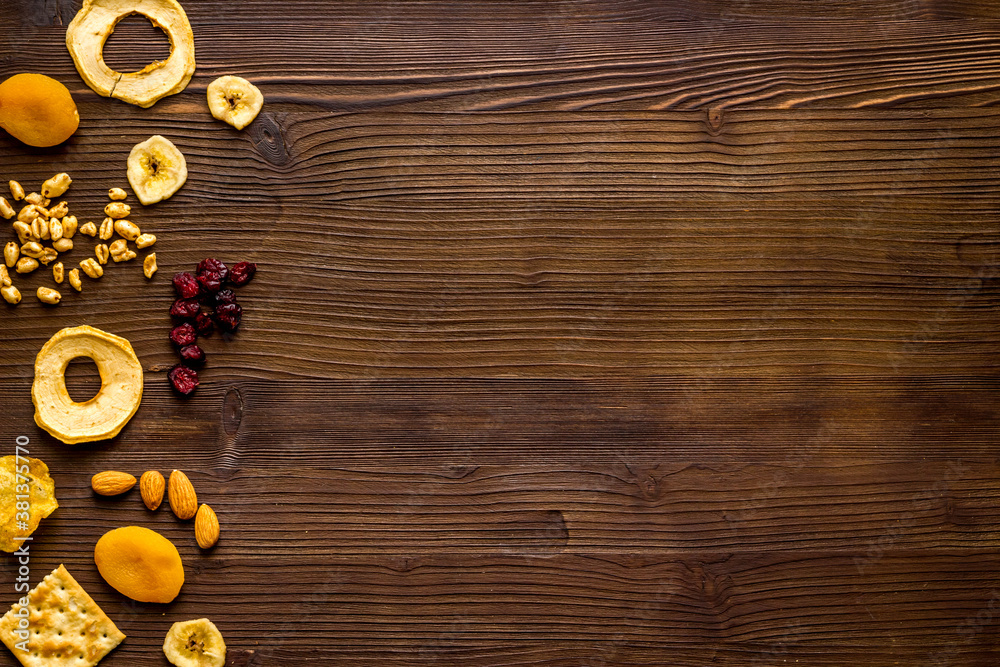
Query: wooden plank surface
(585, 333)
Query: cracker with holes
(59, 625)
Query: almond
(112, 482)
(180, 492)
(151, 487)
(206, 527)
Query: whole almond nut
(180, 492)
(206, 527)
(151, 488)
(112, 482)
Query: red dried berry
(186, 285)
(184, 379)
(225, 296)
(192, 354)
(183, 334)
(228, 316)
(241, 273)
(211, 281)
(204, 324)
(185, 308)
(212, 265)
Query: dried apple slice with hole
(97, 19)
(104, 415)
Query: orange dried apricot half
(37, 110)
(140, 563)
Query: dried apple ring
(105, 414)
(97, 19)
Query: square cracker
(65, 624)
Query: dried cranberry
(184, 379)
(185, 308)
(211, 281)
(192, 354)
(204, 324)
(225, 296)
(241, 273)
(186, 285)
(183, 334)
(212, 265)
(228, 316)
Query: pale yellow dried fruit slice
(104, 415)
(196, 643)
(156, 169)
(97, 19)
(20, 483)
(234, 100)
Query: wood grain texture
(586, 333)
(419, 56)
(231, 421)
(629, 241)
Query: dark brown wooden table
(586, 333)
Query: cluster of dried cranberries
(204, 287)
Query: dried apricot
(140, 563)
(37, 110)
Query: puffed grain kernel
(118, 247)
(42, 212)
(48, 295)
(32, 249)
(16, 191)
(40, 228)
(127, 229)
(59, 210)
(144, 241)
(126, 256)
(117, 210)
(6, 210)
(28, 213)
(58, 272)
(102, 252)
(4, 276)
(26, 265)
(107, 229)
(57, 185)
(92, 268)
(37, 200)
(55, 229)
(88, 228)
(49, 255)
(74, 280)
(11, 252)
(69, 226)
(149, 265)
(10, 294)
(117, 194)
(24, 233)
(63, 245)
